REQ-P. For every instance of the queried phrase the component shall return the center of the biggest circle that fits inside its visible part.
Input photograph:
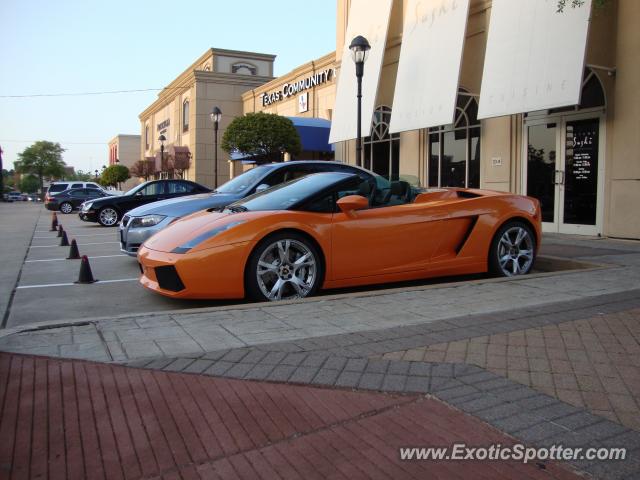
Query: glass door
(563, 169)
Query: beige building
(125, 150)
(182, 113)
(525, 153)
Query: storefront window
(382, 149)
(454, 150)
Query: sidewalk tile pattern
(592, 363)
(75, 419)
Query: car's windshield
(245, 180)
(286, 195)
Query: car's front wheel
(284, 266)
(108, 217)
(512, 250)
(66, 207)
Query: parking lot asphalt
(44, 283)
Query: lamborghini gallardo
(331, 230)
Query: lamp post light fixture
(216, 115)
(359, 51)
(161, 139)
(96, 171)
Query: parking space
(46, 288)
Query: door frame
(561, 119)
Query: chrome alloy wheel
(66, 207)
(515, 251)
(286, 269)
(108, 217)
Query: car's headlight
(185, 247)
(146, 221)
(86, 206)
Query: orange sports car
(331, 230)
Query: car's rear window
(58, 187)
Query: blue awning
(314, 133)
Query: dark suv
(109, 210)
(70, 200)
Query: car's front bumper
(214, 273)
(88, 216)
(132, 238)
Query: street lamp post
(359, 51)
(96, 171)
(216, 115)
(161, 139)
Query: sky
(75, 46)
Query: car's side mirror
(351, 203)
(262, 187)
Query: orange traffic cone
(54, 222)
(74, 254)
(60, 230)
(86, 276)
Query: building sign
(163, 125)
(581, 172)
(303, 102)
(290, 89)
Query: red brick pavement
(73, 419)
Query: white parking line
(74, 284)
(61, 259)
(80, 244)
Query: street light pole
(216, 115)
(359, 51)
(161, 138)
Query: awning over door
(369, 18)
(427, 79)
(534, 58)
(314, 133)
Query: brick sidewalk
(592, 363)
(76, 419)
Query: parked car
(332, 230)
(58, 187)
(109, 210)
(71, 199)
(141, 223)
(15, 196)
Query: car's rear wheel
(512, 250)
(284, 266)
(108, 217)
(66, 207)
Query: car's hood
(181, 206)
(200, 231)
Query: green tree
(29, 184)
(82, 176)
(562, 4)
(42, 159)
(262, 136)
(114, 174)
